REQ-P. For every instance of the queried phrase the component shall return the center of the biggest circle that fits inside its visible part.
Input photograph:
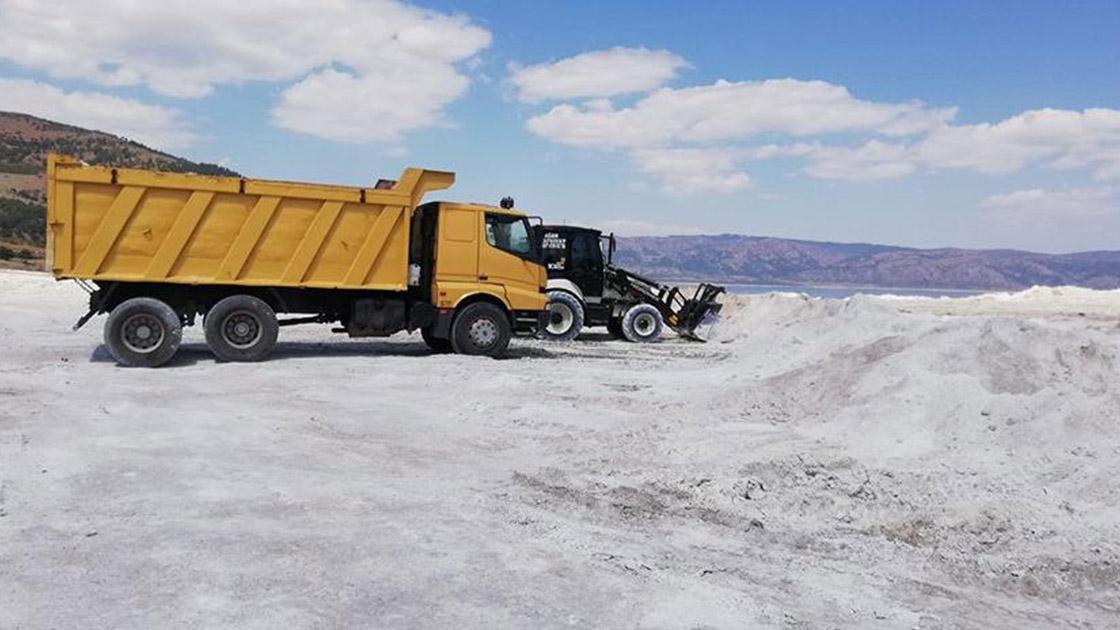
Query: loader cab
(575, 254)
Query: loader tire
(241, 328)
(481, 329)
(565, 317)
(143, 332)
(642, 323)
(437, 345)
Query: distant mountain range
(26, 140)
(732, 258)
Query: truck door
(508, 257)
(585, 263)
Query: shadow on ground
(193, 353)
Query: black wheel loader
(586, 288)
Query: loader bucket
(701, 309)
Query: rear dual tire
(241, 328)
(143, 332)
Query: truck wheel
(436, 344)
(614, 327)
(241, 328)
(565, 317)
(642, 323)
(481, 328)
(143, 332)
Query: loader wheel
(481, 328)
(241, 328)
(614, 327)
(143, 332)
(642, 323)
(437, 345)
(565, 317)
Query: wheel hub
(241, 329)
(560, 318)
(483, 333)
(142, 333)
(644, 324)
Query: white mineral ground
(860, 463)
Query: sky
(928, 124)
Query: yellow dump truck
(156, 250)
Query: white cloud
(375, 107)
(726, 111)
(1057, 138)
(658, 129)
(1046, 206)
(871, 161)
(355, 61)
(678, 134)
(693, 170)
(631, 227)
(158, 127)
(596, 74)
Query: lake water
(843, 292)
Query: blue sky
(976, 124)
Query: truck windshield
(509, 233)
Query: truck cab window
(509, 233)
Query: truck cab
(468, 253)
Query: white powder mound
(862, 463)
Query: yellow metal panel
(62, 226)
(457, 246)
(448, 294)
(212, 239)
(247, 238)
(145, 231)
(372, 247)
(185, 224)
(312, 242)
(302, 191)
(178, 181)
(129, 224)
(85, 174)
(108, 230)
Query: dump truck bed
(114, 224)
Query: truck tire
(482, 329)
(437, 345)
(642, 323)
(614, 327)
(565, 317)
(143, 332)
(241, 328)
